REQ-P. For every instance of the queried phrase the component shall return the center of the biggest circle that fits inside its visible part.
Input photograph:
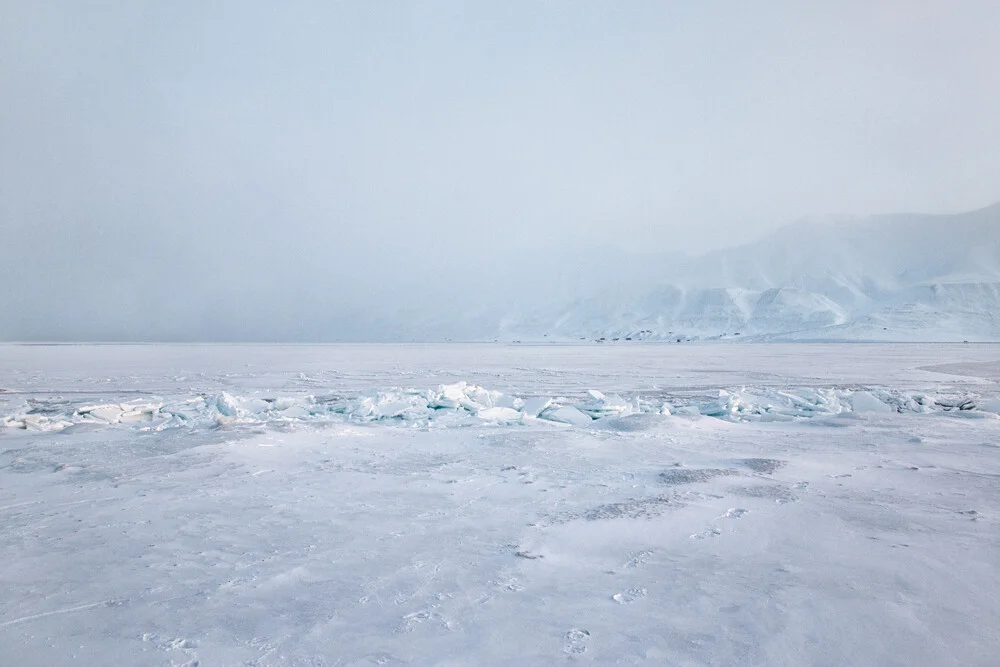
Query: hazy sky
(194, 152)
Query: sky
(191, 170)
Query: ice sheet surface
(641, 504)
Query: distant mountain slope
(899, 277)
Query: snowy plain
(770, 504)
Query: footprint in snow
(576, 641)
(169, 644)
(629, 596)
(637, 558)
(411, 621)
(705, 534)
(734, 513)
(508, 583)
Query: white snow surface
(773, 504)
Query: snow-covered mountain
(901, 277)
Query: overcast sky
(193, 152)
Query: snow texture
(271, 505)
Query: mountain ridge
(887, 277)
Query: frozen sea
(500, 505)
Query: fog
(296, 171)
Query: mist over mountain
(904, 277)
(898, 277)
(317, 172)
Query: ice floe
(464, 404)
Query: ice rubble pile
(463, 404)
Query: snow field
(293, 517)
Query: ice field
(768, 504)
